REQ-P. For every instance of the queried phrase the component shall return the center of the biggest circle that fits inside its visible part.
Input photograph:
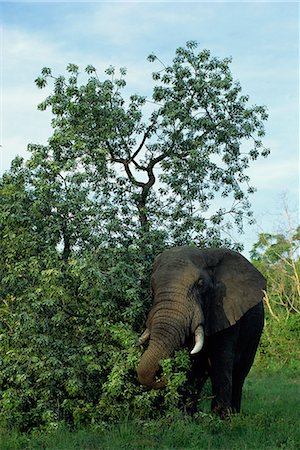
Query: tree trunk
(67, 243)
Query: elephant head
(196, 293)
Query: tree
(159, 171)
(277, 257)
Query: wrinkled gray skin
(212, 299)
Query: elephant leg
(221, 381)
(241, 369)
(222, 354)
(196, 379)
(237, 387)
(200, 369)
(251, 326)
(199, 375)
(240, 372)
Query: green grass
(270, 420)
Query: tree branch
(146, 135)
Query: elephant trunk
(166, 336)
(148, 368)
(170, 323)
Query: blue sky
(262, 38)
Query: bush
(279, 345)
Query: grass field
(270, 420)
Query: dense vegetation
(83, 218)
(270, 421)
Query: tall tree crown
(179, 169)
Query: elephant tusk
(144, 337)
(199, 340)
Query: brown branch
(151, 176)
(267, 301)
(145, 137)
(130, 175)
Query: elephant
(212, 298)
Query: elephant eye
(202, 286)
(198, 288)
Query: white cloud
(21, 123)
(21, 49)
(279, 175)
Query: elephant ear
(237, 287)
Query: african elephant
(214, 298)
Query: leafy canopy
(178, 168)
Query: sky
(261, 37)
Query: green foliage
(105, 144)
(82, 220)
(61, 344)
(279, 345)
(270, 421)
(277, 257)
(273, 248)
